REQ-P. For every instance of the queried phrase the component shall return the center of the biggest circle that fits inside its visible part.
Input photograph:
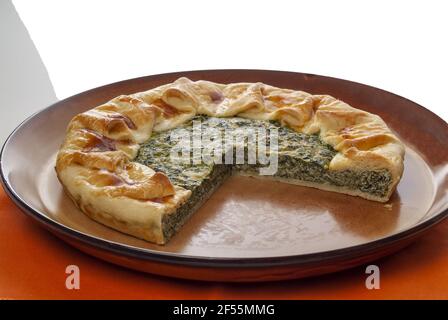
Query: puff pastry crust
(95, 166)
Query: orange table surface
(33, 262)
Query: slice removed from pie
(117, 162)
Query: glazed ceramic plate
(250, 229)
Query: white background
(399, 46)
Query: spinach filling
(300, 156)
(200, 192)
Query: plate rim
(203, 261)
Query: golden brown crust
(96, 156)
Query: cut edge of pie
(95, 162)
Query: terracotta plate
(250, 229)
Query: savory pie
(117, 163)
